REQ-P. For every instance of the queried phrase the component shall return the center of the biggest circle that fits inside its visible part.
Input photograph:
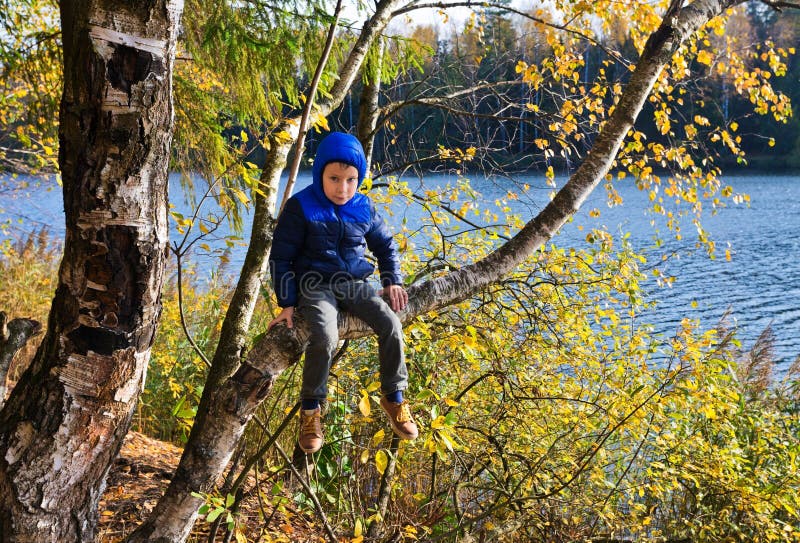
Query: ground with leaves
(139, 477)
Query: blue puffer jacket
(316, 240)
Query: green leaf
(213, 515)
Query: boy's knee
(389, 323)
(323, 339)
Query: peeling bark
(64, 421)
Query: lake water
(760, 285)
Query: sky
(456, 17)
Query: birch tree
(64, 422)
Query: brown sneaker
(400, 418)
(310, 439)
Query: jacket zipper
(341, 237)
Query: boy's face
(339, 182)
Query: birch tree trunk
(64, 422)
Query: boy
(318, 266)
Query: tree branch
(779, 5)
(312, 91)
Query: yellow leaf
(364, 456)
(381, 461)
(447, 441)
(241, 196)
(378, 437)
(704, 57)
(363, 404)
(359, 528)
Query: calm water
(760, 285)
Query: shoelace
(404, 415)
(308, 423)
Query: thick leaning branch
(462, 283)
(658, 51)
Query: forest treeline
(429, 121)
(448, 88)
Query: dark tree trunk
(64, 422)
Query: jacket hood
(338, 147)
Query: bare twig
(311, 494)
(271, 440)
(186, 332)
(312, 91)
(503, 7)
(385, 491)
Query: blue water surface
(759, 285)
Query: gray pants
(320, 307)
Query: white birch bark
(64, 422)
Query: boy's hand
(285, 315)
(398, 297)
